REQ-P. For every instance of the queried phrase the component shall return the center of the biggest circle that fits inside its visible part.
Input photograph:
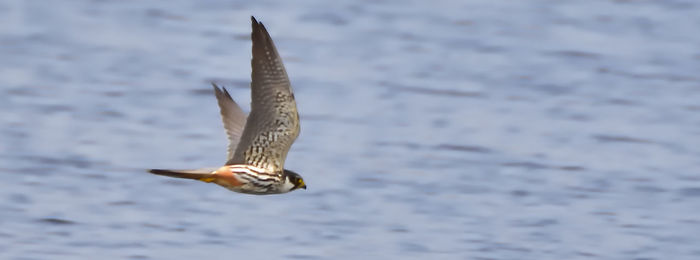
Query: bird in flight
(258, 143)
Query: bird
(260, 141)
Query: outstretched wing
(273, 123)
(233, 117)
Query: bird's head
(294, 179)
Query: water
(430, 130)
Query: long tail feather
(199, 174)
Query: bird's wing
(273, 123)
(233, 117)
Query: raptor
(259, 142)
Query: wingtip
(217, 89)
(257, 25)
(255, 22)
(221, 92)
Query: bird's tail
(205, 174)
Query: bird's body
(258, 143)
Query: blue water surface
(430, 129)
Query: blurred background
(430, 129)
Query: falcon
(259, 142)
